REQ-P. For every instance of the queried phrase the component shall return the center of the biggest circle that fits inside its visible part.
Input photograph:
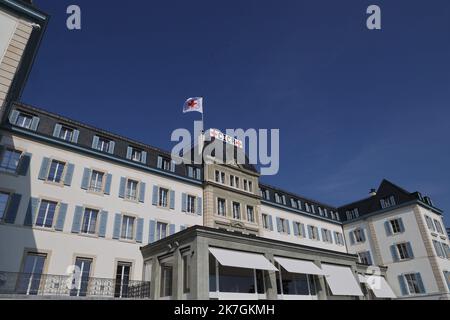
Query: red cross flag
(193, 105)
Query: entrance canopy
(299, 266)
(239, 259)
(341, 281)
(378, 285)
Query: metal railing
(45, 285)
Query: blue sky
(353, 106)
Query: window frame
(8, 168)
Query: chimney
(373, 192)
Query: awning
(299, 266)
(239, 259)
(341, 280)
(379, 286)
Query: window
(265, 194)
(441, 249)
(283, 226)
(237, 182)
(265, 222)
(127, 231)
(397, 226)
(10, 160)
(166, 280)
(387, 202)
(430, 223)
(66, 133)
(221, 207)
(136, 155)
(231, 180)
(404, 251)
(352, 214)
(295, 283)
(250, 214)
(250, 186)
(236, 210)
(89, 225)
(191, 204)
(339, 238)
(320, 211)
(103, 144)
(313, 233)
(326, 236)
(293, 203)
(82, 284)
(186, 274)
(325, 213)
(277, 198)
(161, 230)
(131, 192)
(439, 227)
(245, 185)
(194, 173)
(299, 229)
(163, 198)
(307, 207)
(46, 214)
(313, 209)
(359, 236)
(24, 120)
(56, 171)
(365, 258)
(220, 177)
(122, 280)
(4, 197)
(414, 283)
(96, 183)
(166, 164)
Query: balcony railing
(45, 285)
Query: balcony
(45, 286)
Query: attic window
(352, 214)
(387, 202)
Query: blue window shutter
(85, 180)
(160, 160)
(34, 123)
(199, 174)
(57, 130)
(117, 225)
(69, 174)
(112, 146)
(288, 226)
(103, 224)
(303, 230)
(279, 226)
(144, 157)
(108, 183)
(155, 196)
(363, 234)
(172, 199)
(402, 282)
(59, 226)
(335, 236)
(369, 258)
(410, 250)
(171, 229)
(77, 216)
(296, 231)
(310, 232)
(95, 140)
(13, 117)
(76, 135)
(24, 164)
(324, 235)
(402, 226)
(394, 253)
(352, 238)
(199, 206)
(151, 231)
(129, 153)
(172, 166)
(13, 208)
(420, 283)
(44, 169)
(270, 222)
(32, 209)
(123, 181)
(387, 227)
(139, 230)
(190, 172)
(184, 202)
(142, 192)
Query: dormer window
(307, 207)
(352, 214)
(277, 198)
(103, 144)
(299, 205)
(294, 204)
(194, 173)
(24, 120)
(320, 211)
(137, 155)
(387, 202)
(165, 164)
(283, 199)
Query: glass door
(81, 281)
(122, 280)
(30, 279)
